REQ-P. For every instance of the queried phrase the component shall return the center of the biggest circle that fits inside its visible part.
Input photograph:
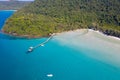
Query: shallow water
(57, 58)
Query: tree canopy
(42, 17)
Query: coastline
(22, 36)
(34, 37)
(88, 34)
(8, 10)
(109, 36)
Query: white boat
(42, 44)
(49, 75)
(30, 49)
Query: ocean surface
(64, 62)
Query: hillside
(42, 17)
(12, 5)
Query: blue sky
(3, 0)
(25, 0)
(17, 0)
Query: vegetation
(13, 5)
(42, 17)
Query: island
(42, 17)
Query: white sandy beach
(107, 47)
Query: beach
(107, 46)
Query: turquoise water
(63, 62)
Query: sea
(53, 61)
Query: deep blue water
(3, 16)
(63, 62)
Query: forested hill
(12, 5)
(42, 17)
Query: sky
(17, 0)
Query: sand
(106, 48)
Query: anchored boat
(30, 49)
(49, 75)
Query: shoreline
(78, 30)
(109, 36)
(22, 36)
(97, 31)
(8, 10)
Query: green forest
(42, 17)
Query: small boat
(30, 49)
(49, 75)
(42, 44)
